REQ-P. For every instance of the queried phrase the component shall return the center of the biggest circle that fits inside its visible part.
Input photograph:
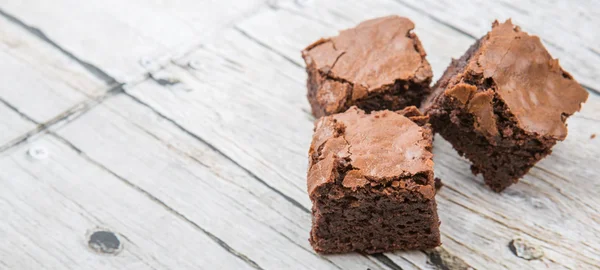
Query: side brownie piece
(380, 64)
(503, 104)
(370, 180)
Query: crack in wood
(184, 153)
(87, 105)
(308, 17)
(68, 115)
(163, 204)
(23, 115)
(164, 81)
(262, 44)
(474, 251)
(383, 259)
(38, 33)
(386, 261)
(212, 147)
(41, 35)
(463, 32)
(201, 163)
(436, 19)
(516, 229)
(590, 89)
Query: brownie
(380, 64)
(371, 183)
(503, 104)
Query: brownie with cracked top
(371, 182)
(380, 64)
(504, 104)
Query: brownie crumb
(438, 183)
(440, 258)
(525, 250)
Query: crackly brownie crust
(371, 182)
(380, 64)
(503, 104)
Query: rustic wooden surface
(173, 135)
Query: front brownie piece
(503, 104)
(380, 64)
(370, 180)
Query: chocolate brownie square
(371, 183)
(380, 64)
(503, 104)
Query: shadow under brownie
(504, 104)
(380, 64)
(371, 182)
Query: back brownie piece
(503, 104)
(370, 180)
(380, 64)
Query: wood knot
(38, 153)
(105, 242)
(196, 64)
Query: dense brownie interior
(395, 97)
(373, 219)
(400, 95)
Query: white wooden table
(158, 134)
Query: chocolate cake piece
(371, 183)
(503, 104)
(380, 64)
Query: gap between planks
(83, 107)
(161, 203)
(115, 87)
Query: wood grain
(446, 29)
(50, 203)
(301, 25)
(39, 80)
(204, 162)
(12, 124)
(564, 27)
(243, 103)
(197, 182)
(125, 38)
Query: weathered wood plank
(554, 206)
(411, 260)
(305, 19)
(12, 124)
(199, 183)
(52, 198)
(446, 29)
(301, 24)
(123, 37)
(39, 80)
(568, 30)
(248, 102)
(243, 94)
